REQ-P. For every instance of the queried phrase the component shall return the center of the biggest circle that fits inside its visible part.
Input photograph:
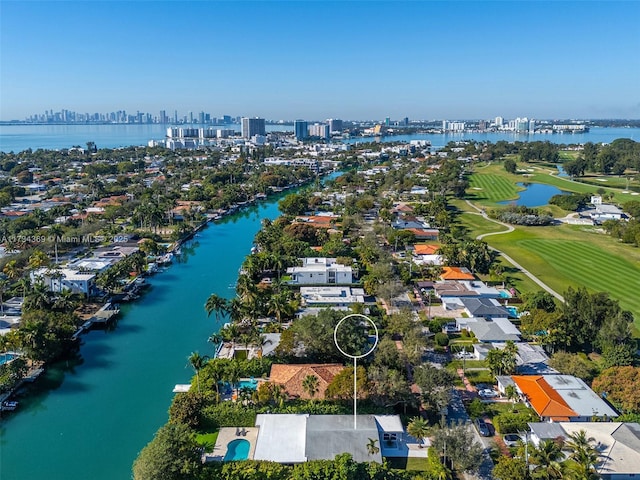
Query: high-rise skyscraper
(335, 125)
(301, 129)
(163, 117)
(252, 127)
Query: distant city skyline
(349, 60)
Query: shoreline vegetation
(370, 219)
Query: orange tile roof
(543, 398)
(424, 233)
(292, 376)
(425, 249)
(456, 273)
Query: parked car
(511, 439)
(488, 393)
(483, 428)
(464, 354)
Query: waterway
(89, 418)
(17, 138)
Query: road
(510, 229)
(458, 414)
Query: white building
(58, 280)
(320, 271)
(331, 296)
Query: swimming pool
(504, 294)
(513, 311)
(7, 357)
(237, 450)
(251, 384)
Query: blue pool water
(513, 311)
(237, 450)
(251, 384)
(6, 358)
(504, 294)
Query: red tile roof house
(292, 376)
(562, 398)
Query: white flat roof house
(65, 279)
(320, 271)
(326, 296)
(297, 438)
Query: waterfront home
(58, 280)
(320, 271)
(617, 443)
(562, 398)
(291, 377)
(298, 438)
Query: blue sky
(317, 59)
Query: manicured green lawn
(492, 187)
(566, 256)
(207, 439)
(409, 463)
(560, 256)
(479, 376)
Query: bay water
(19, 137)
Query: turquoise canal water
(90, 417)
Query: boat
(9, 406)
(166, 258)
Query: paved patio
(228, 434)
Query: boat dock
(102, 316)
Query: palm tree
(56, 231)
(197, 362)
(233, 373)
(38, 259)
(25, 283)
(11, 270)
(418, 428)
(39, 298)
(65, 301)
(310, 385)
(3, 286)
(372, 448)
(217, 305)
(216, 339)
(279, 305)
(236, 309)
(547, 458)
(583, 457)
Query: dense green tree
(509, 468)
(510, 165)
(576, 364)
(459, 447)
(173, 454)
